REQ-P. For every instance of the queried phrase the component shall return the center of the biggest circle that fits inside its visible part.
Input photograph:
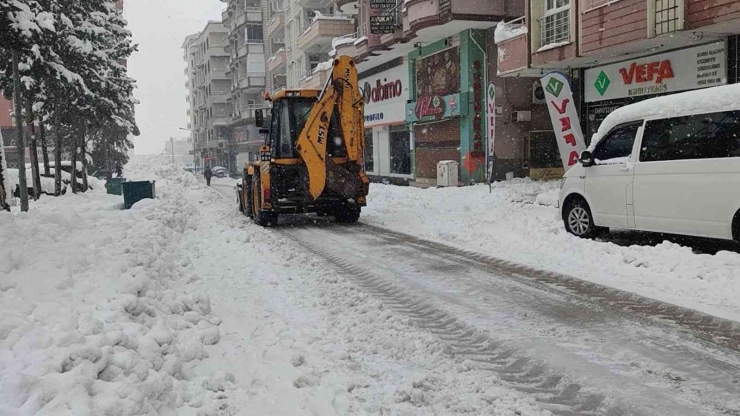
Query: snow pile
(553, 45)
(505, 31)
(170, 179)
(360, 40)
(323, 66)
(321, 16)
(707, 100)
(96, 315)
(519, 221)
(337, 42)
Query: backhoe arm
(341, 93)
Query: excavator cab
(311, 160)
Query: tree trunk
(83, 154)
(57, 152)
(44, 149)
(19, 125)
(4, 192)
(73, 179)
(34, 155)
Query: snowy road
(578, 347)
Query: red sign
(478, 144)
(430, 107)
(382, 92)
(659, 70)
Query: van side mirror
(259, 118)
(586, 158)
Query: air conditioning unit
(538, 93)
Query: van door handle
(625, 168)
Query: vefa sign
(564, 117)
(686, 69)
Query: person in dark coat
(208, 174)
(119, 170)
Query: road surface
(579, 348)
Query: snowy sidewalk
(519, 222)
(181, 306)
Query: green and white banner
(565, 121)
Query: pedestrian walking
(119, 170)
(208, 174)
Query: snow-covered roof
(505, 31)
(722, 98)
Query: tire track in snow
(552, 391)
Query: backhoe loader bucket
(340, 180)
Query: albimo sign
(382, 91)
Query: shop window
(369, 158)
(400, 145)
(555, 24)
(617, 144)
(701, 136)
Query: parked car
(220, 171)
(669, 164)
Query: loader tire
(247, 192)
(260, 217)
(347, 214)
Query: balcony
(277, 61)
(347, 6)
(512, 39)
(253, 81)
(318, 35)
(316, 80)
(276, 26)
(247, 111)
(217, 98)
(216, 75)
(252, 46)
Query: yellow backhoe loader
(312, 159)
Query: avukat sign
(564, 116)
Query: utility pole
(19, 125)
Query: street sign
(383, 4)
(383, 24)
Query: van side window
(701, 136)
(616, 147)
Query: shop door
(400, 151)
(383, 151)
(434, 142)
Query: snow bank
(337, 42)
(505, 31)
(722, 98)
(519, 221)
(95, 317)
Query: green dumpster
(134, 192)
(114, 186)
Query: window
(701, 136)
(617, 145)
(369, 158)
(555, 23)
(666, 16)
(253, 34)
(400, 144)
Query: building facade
(620, 52)
(448, 53)
(209, 91)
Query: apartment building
(425, 68)
(300, 34)
(209, 93)
(620, 52)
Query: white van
(669, 164)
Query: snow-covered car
(668, 164)
(220, 172)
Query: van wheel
(736, 227)
(248, 198)
(578, 220)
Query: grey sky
(160, 27)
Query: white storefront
(388, 141)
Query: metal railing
(555, 28)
